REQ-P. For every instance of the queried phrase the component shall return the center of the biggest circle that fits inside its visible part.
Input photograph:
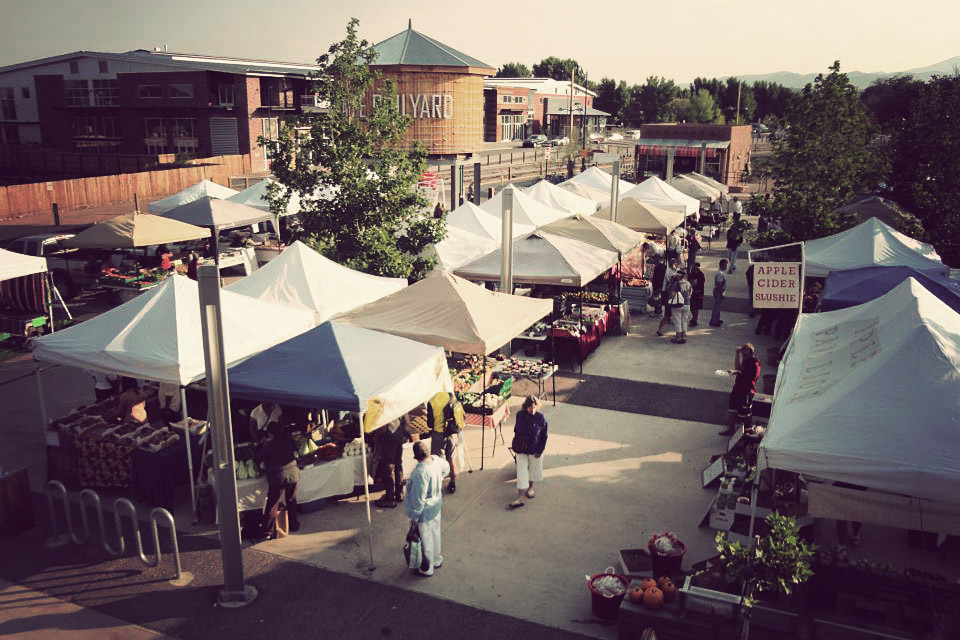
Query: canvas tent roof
(655, 191)
(694, 188)
(870, 396)
(716, 184)
(870, 243)
(855, 286)
(302, 277)
(597, 232)
(14, 265)
(469, 217)
(460, 247)
(874, 206)
(545, 192)
(157, 335)
(218, 214)
(338, 366)
(643, 216)
(597, 178)
(203, 189)
(544, 258)
(585, 191)
(451, 312)
(526, 210)
(135, 230)
(256, 196)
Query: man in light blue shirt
(423, 504)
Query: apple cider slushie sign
(776, 285)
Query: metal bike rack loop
(119, 505)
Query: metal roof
(561, 106)
(414, 48)
(680, 146)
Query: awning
(680, 147)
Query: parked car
(615, 137)
(559, 141)
(71, 269)
(537, 140)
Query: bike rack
(120, 504)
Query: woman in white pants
(529, 441)
(423, 504)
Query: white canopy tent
(460, 247)
(597, 232)
(217, 214)
(15, 265)
(203, 189)
(584, 191)
(597, 178)
(544, 258)
(870, 395)
(303, 278)
(870, 243)
(642, 216)
(526, 210)
(695, 189)
(545, 192)
(473, 219)
(256, 196)
(710, 182)
(655, 191)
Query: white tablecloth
(321, 480)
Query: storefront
(721, 152)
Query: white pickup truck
(72, 269)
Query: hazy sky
(623, 40)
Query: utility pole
(571, 101)
(739, 85)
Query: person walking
(719, 289)
(681, 309)
(668, 290)
(749, 275)
(694, 244)
(734, 240)
(529, 442)
(423, 504)
(746, 372)
(658, 280)
(673, 246)
(279, 459)
(389, 449)
(698, 283)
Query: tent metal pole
(483, 414)
(366, 491)
(186, 436)
(48, 298)
(579, 359)
(43, 402)
(553, 354)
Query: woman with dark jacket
(529, 441)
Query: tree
(514, 70)
(355, 151)
(888, 100)
(735, 93)
(824, 158)
(558, 69)
(773, 100)
(655, 99)
(612, 97)
(701, 108)
(926, 164)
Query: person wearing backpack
(681, 309)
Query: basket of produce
(483, 404)
(607, 590)
(161, 439)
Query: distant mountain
(859, 79)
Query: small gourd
(635, 594)
(653, 598)
(646, 584)
(669, 591)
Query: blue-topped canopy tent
(851, 287)
(338, 366)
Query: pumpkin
(669, 591)
(653, 598)
(662, 580)
(635, 594)
(646, 584)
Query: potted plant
(666, 553)
(772, 568)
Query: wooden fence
(71, 164)
(83, 193)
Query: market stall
(526, 210)
(340, 367)
(599, 180)
(850, 287)
(584, 191)
(302, 277)
(703, 192)
(448, 311)
(25, 293)
(870, 243)
(655, 191)
(471, 218)
(199, 191)
(561, 199)
(870, 396)
(460, 247)
(643, 216)
(157, 336)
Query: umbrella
(135, 229)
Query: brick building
(150, 102)
(520, 107)
(716, 150)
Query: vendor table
(586, 341)
(493, 420)
(126, 291)
(245, 257)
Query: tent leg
(579, 359)
(43, 402)
(186, 436)
(483, 417)
(366, 491)
(60, 298)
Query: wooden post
(56, 213)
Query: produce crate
(709, 602)
(637, 298)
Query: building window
(105, 93)
(512, 127)
(518, 99)
(225, 95)
(185, 136)
(149, 91)
(95, 134)
(77, 93)
(8, 108)
(74, 66)
(506, 99)
(103, 66)
(11, 133)
(155, 140)
(25, 92)
(181, 91)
